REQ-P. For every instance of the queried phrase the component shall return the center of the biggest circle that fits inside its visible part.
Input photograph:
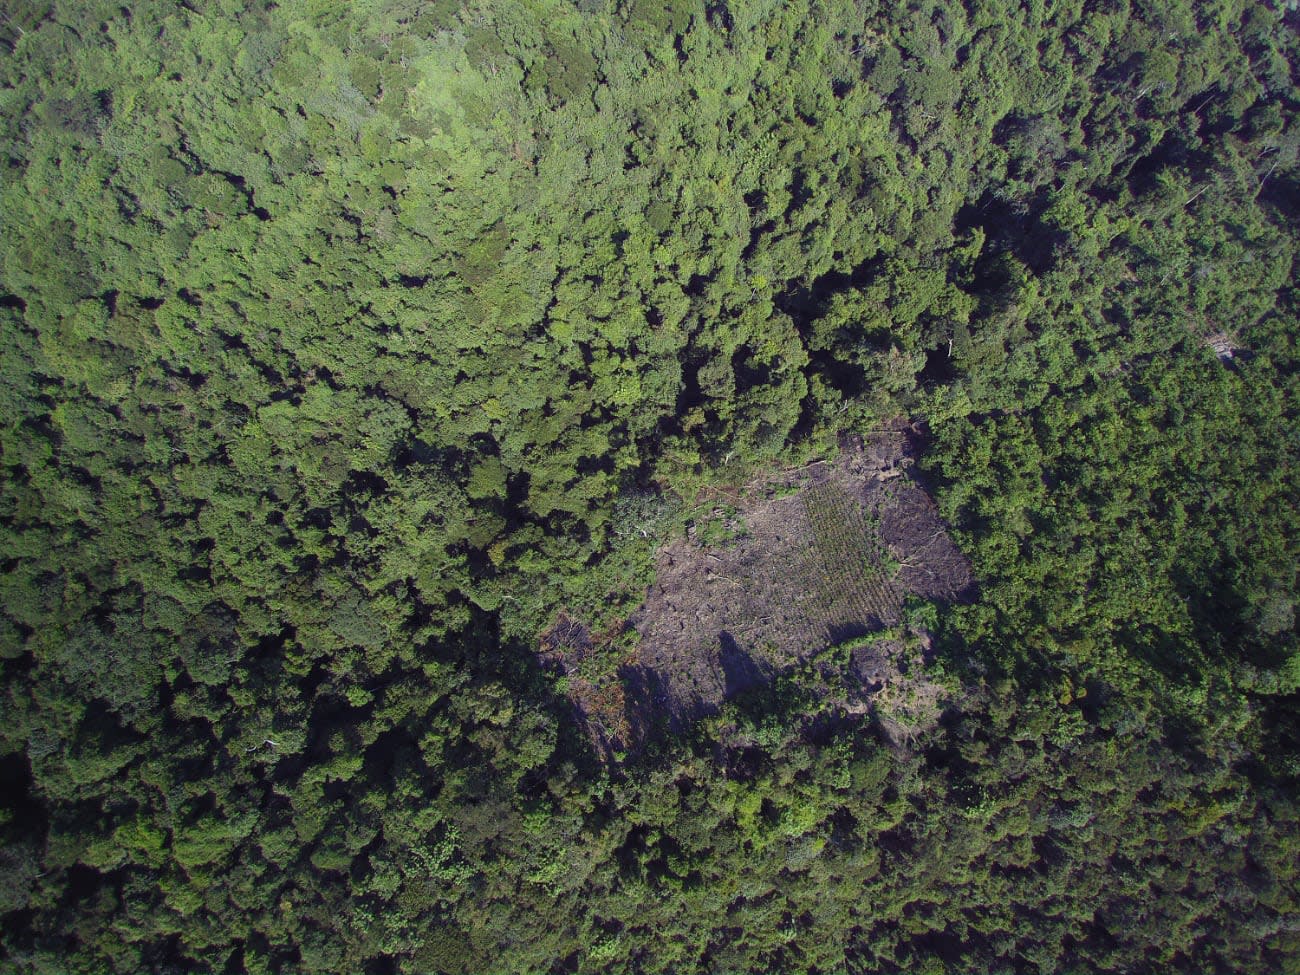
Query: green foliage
(344, 346)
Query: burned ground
(797, 562)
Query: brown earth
(795, 563)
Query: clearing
(786, 567)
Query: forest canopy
(360, 361)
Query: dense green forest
(348, 347)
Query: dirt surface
(788, 566)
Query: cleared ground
(789, 566)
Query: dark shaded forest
(350, 352)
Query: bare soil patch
(781, 570)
